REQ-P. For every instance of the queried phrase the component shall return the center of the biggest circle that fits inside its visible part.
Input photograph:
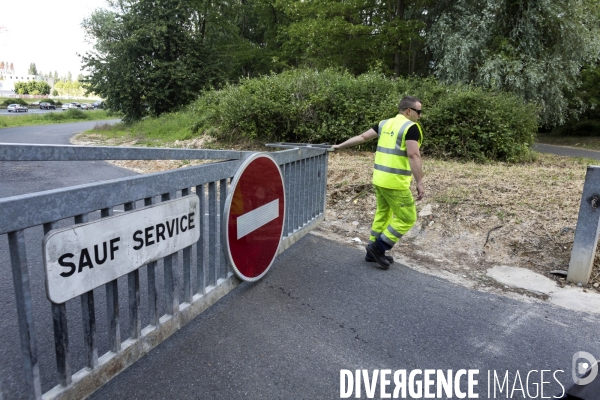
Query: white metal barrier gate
(86, 335)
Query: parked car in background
(17, 108)
(98, 104)
(35, 103)
(86, 106)
(67, 106)
(47, 106)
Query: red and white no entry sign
(253, 217)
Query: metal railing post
(187, 264)
(112, 305)
(88, 314)
(153, 315)
(200, 270)
(133, 287)
(213, 252)
(223, 267)
(61, 335)
(586, 233)
(170, 266)
(20, 273)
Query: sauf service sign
(83, 257)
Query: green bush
(48, 101)
(331, 106)
(54, 92)
(75, 114)
(304, 105)
(22, 102)
(477, 125)
(70, 115)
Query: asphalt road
(320, 309)
(27, 177)
(566, 151)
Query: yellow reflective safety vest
(392, 169)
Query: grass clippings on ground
(481, 214)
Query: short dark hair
(407, 102)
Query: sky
(47, 33)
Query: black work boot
(368, 258)
(378, 256)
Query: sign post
(254, 216)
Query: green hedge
(22, 102)
(478, 125)
(331, 106)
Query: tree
(533, 48)
(355, 34)
(21, 88)
(254, 43)
(68, 88)
(32, 69)
(150, 56)
(40, 87)
(32, 87)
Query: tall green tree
(533, 48)
(152, 56)
(256, 46)
(32, 69)
(355, 34)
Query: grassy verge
(54, 118)
(164, 131)
(580, 142)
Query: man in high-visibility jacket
(397, 160)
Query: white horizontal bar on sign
(257, 218)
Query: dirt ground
(473, 217)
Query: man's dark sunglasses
(415, 110)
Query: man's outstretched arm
(356, 140)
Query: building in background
(8, 79)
